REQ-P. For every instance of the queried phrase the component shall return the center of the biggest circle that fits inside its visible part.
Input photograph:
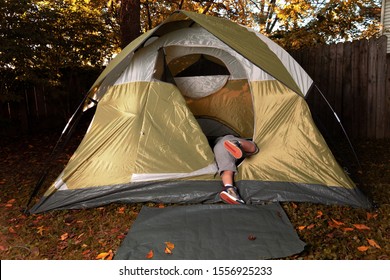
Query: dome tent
(190, 79)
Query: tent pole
(342, 127)
(67, 131)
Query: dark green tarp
(211, 232)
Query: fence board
(371, 90)
(363, 85)
(381, 90)
(387, 98)
(338, 104)
(347, 98)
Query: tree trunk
(130, 25)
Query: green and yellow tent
(173, 89)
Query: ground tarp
(211, 232)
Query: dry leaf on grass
(373, 243)
(40, 230)
(64, 236)
(363, 248)
(301, 227)
(371, 216)
(105, 256)
(361, 227)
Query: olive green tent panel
(126, 142)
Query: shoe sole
(228, 199)
(235, 151)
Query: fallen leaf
(337, 222)
(252, 237)
(363, 248)
(40, 230)
(319, 214)
(11, 230)
(121, 210)
(170, 245)
(310, 226)
(102, 255)
(371, 216)
(294, 205)
(86, 252)
(64, 236)
(373, 243)
(361, 227)
(301, 227)
(110, 256)
(105, 256)
(347, 229)
(149, 255)
(161, 205)
(11, 201)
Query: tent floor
(211, 232)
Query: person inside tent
(228, 150)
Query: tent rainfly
(169, 93)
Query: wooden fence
(355, 79)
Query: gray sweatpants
(224, 159)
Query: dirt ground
(330, 232)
